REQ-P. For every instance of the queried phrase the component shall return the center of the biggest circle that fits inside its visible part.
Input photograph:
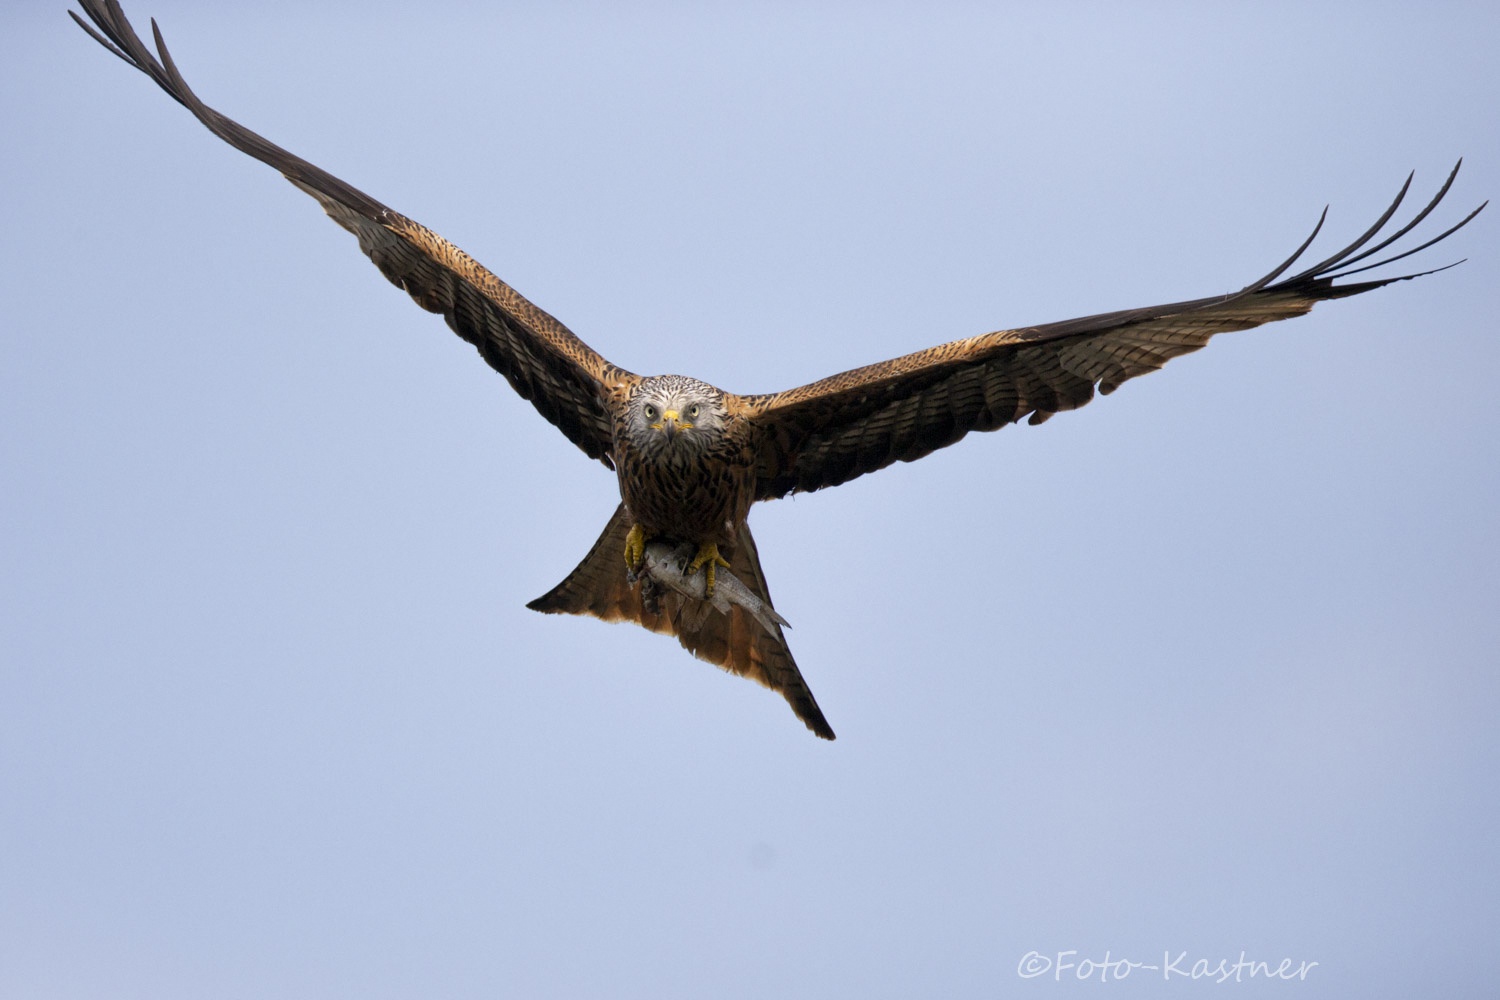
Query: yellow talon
(635, 548)
(708, 555)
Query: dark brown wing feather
(734, 641)
(562, 377)
(859, 421)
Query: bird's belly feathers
(700, 500)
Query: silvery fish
(666, 563)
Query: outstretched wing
(561, 375)
(844, 426)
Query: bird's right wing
(562, 376)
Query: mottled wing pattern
(830, 431)
(562, 377)
(734, 641)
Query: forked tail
(734, 641)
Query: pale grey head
(674, 414)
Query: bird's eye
(650, 412)
(692, 412)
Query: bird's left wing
(562, 376)
(830, 431)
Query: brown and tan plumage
(691, 459)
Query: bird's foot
(708, 556)
(635, 548)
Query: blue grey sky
(1207, 667)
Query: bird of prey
(691, 459)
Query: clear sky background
(1209, 666)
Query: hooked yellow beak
(671, 423)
